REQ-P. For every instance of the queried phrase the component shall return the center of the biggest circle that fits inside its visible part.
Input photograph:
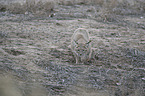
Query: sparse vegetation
(35, 54)
(37, 8)
(108, 10)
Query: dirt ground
(35, 55)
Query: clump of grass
(32, 6)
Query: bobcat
(81, 45)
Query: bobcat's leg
(77, 60)
(76, 57)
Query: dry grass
(32, 6)
(111, 8)
(106, 10)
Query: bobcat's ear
(89, 41)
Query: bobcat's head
(82, 49)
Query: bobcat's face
(81, 49)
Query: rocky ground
(35, 54)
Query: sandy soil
(36, 51)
